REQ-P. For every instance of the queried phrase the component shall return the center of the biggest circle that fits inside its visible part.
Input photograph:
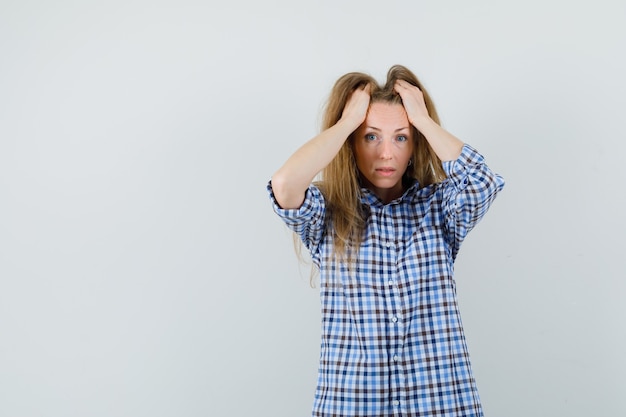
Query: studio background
(143, 272)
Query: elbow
(278, 186)
(286, 195)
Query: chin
(386, 185)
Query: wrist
(349, 125)
(423, 122)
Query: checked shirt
(392, 340)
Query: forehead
(386, 115)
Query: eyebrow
(378, 129)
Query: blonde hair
(339, 181)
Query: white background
(142, 271)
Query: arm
(291, 181)
(468, 192)
(447, 146)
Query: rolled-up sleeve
(307, 221)
(468, 192)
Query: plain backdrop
(143, 272)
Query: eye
(370, 137)
(402, 138)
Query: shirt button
(388, 244)
(390, 282)
(394, 319)
(395, 358)
(396, 403)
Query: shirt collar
(368, 197)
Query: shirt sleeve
(308, 221)
(468, 192)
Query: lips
(385, 171)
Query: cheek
(364, 158)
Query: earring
(410, 162)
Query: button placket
(389, 246)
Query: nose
(385, 150)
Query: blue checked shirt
(392, 340)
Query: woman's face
(383, 146)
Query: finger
(406, 84)
(399, 88)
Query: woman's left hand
(447, 146)
(413, 101)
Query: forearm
(291, 181)
(447, 146)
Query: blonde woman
(396, 198)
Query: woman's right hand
(356, 107)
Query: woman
(397, 196)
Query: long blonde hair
(339, 181)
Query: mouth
(385, 171)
